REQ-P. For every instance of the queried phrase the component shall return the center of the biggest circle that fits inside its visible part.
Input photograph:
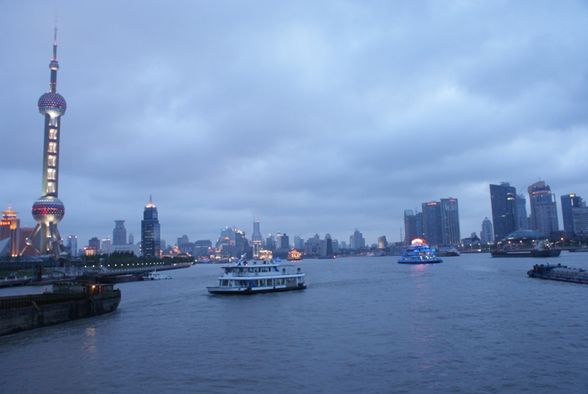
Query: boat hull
(528, 253)
(560, 273)
(432, 261)
(21, 313)
(252, 290)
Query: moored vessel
(258, 277)
(419, 253)
(559, 272)
(67, 301)
(525, 243)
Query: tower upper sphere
(48, 209)
(52, 104)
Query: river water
(471, 324)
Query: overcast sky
(313, 116)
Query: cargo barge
(559, 272)
(68, 301)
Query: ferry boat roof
(246, 264)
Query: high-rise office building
(450, 221)
(432, 230)
(580, 221)
(119, 233)
(282, 242)
(106, 246)
(256, 239)
(48, 210)
(298, 242)
(487, 234)
(522, 218)
(356, 240)
(150, 231)
(328, 251)
(543, 208)
(94, 243)
(568, 203)
(413, 225)
(72, 245)
(410, 231)
(503, 199)
(382, 242)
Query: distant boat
(419, 253)
(294, 255)
(525, 243)
(154, 275)
(447, 250)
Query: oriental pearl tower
(48, 210)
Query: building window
(53, 134)
(50, 187)
(51, 160)
(52, 147)
(51, 174)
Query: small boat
(154, 275)
(258, 277)
(419, 253)
(447, 251)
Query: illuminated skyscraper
(9, 228)
(256, 239)
(48, 210)
(150, 233)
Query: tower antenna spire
(55, 42)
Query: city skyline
(305, 116)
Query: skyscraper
(119, 233)
(150, 232)
(328, 252)
(450, 221)
(543, 208)
(568, 203)
(356, 240)
(72, 245)
(413, 225)
(504, 209)
(94, 243)
(256, 239)
(410, 231)
(522, 218)
(432, 222)
(48, 210)
(486, 235)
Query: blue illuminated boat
(419, 253)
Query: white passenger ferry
(258, 277)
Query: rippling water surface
(471, 324)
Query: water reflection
(89, 344)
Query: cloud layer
(312, 116)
